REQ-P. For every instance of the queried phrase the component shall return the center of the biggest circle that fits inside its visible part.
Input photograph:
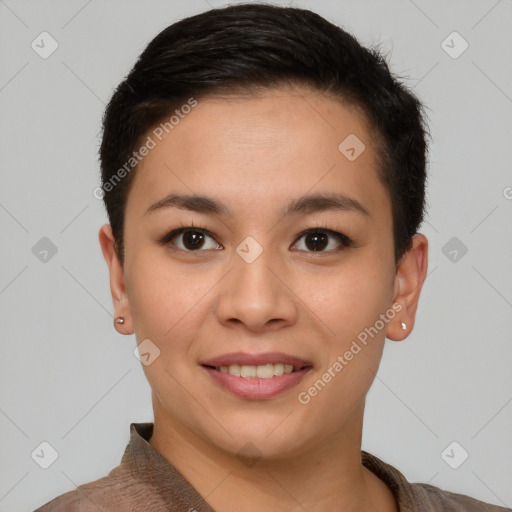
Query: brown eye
(317, 240)
(190, 240)
(193, 239)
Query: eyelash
(340, 237)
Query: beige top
(146, 481)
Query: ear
(117, 284)
(409, 279)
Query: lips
(257, 376)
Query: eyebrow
(305, 204)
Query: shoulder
(446, 501)
(106, 493)
(425, 497)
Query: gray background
(69, 379)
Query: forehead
(260, 149)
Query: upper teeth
(265, 371)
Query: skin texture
(255, 154)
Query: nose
(255, 295)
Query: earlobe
(409, 279)
(117, 283)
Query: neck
(327, 476)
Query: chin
(269, 440)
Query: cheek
(352, 306)
(350, 299)
(167, 306)
(166, 301)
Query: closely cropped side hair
(245, 48)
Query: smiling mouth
(265, 371)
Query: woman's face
(244, 285)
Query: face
(286, 262)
